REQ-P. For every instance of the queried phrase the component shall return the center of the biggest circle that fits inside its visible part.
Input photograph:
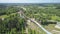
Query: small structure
(21, 13)
(51, 21)
(2, 19)
(28, 20)
(58, 25)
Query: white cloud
(29, 1)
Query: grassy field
(4, 16)
(35, 27)
(52, 29)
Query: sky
(29, 1)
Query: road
(35, 23)
(40, 26)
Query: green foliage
(12, 24)
(8, 10)
(43, 13)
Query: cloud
(29, 1)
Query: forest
(12, 23)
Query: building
(57, 25)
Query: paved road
(37, 24)
(40, 26)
